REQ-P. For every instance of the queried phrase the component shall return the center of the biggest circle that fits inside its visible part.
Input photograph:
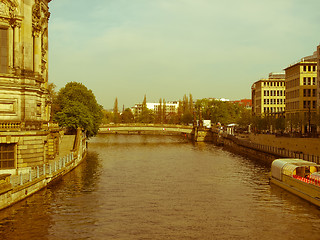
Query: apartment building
(268, 95)
(301, 94)
(171, 107)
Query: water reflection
(149, 187)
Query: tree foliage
(116, 116)
(218, 111)
(78, 107)
(127, 116)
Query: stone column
(37, 52)
(16, 51)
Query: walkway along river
(160, 187)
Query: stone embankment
(267, 148)
(14, 188)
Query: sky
(126, 49)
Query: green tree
(116, 116)
(164, 111)
(159, 112)
(78, 107)
(127, 116)
(107, 116)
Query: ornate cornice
(9, 12)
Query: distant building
(246, 103)
(171, 107)
(268, 95)
(301, 94)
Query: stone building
(25, 139)
(301, 95)
(268, 95)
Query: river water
(157, 187)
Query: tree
(159, 112)
(115, 111)
(164, 111)
(127, 116)
(107, 116)
(78, 107)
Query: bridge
(140, 128)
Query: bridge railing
(145, 125)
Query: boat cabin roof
(287, 166)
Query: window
(304, 68)
(314, 104)
(313, 81)
(314, 68)
(309, 80)
(6, 156)
(3, 51)
(314, 92)
(309, 68)
(304, 81)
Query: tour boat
(299, 177)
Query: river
(158, 187)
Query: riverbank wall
(266, 148)
(14, 188)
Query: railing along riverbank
(48, 170)
(277, 151)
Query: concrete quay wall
(304, 145)
(267, 148)
(253, 153)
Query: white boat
(299, 177)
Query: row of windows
(307, 104)
(273, 84)
(309, 92)
(274, 93)
(309, 81)
(274, 101)
(293, 83)
(293, 94)
(292, 105)
(309, 68)
(273, 109)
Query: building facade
(318, 78)
(171, 107)
(268, 95)
(301, 95)
(25, 140)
